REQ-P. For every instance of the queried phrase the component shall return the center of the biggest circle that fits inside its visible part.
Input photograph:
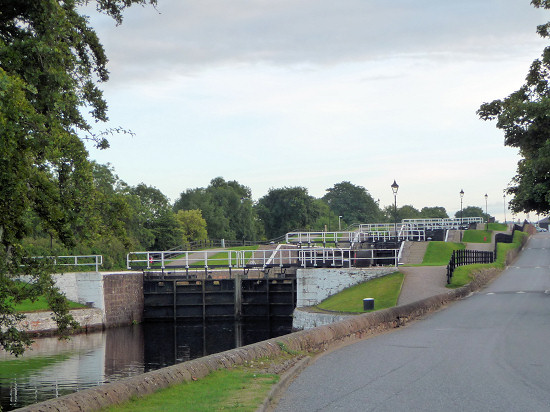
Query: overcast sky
(276, 93)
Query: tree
(403, 212)
(155, 211)
(435, 212)
(353, 203)
(472, 211)
(524, 116)
(287, 209)
(50, 62)
(192, 224)
(227, 208)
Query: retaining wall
(317, 339)
(123, 298)
(42, 323)
(315, 285)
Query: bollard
(368, 304)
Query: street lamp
(504, 197)
(339, 223)
(486, 214)
(395, 188)
(461, 210)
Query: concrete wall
(314, 340)
(82, 287)
(315, 285)
(303, 319)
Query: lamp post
(395, 188)
(339, 223)
(486, 214)
(504, 198)
(461, 210)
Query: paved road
(488, 352)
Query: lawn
(501, 227)
(41, 305)
(439, 253)
(464, 274)
(242, 388)
(477, 236)
(384, 290)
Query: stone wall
(38, 323)
(314, 340)
(123, 298)
(82, 287)
(315, 285)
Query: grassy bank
(240, 388)
(477, 236)
(439, 253)
(464, 274)
(385, 291)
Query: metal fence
(467, 257)
(82, 260)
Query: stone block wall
(123, 298)
(315, 285)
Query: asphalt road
(489, 352)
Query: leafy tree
(403, 212)
(226, 207)
(50, 62)
(192, 224)
(524, 116)
(435, 212)
(472, 211)
(286, 209)
(156, 213)
(353, 203)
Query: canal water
(54, 368)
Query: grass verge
(501, 227)
(464, 274)
(241, 388)
(477, 236)
(439, 253)
(385, 291)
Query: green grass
(385, 291)
(40, 305)
(477, 236)
(464, 274)
(439, 253)
(498, 227)
(239, 389)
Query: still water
(54, 368)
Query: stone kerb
(312, 340)
(315, 285)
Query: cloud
(187, 36)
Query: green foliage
(439, 253)
(471, 211)
(435, 212)
(50, 62)
(385, 291)
(523, 116)
(477, 236)
(287, 209)
(226, 207)
(192, 224)
(353, 203)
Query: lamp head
(394, 187)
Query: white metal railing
(304, 257)
(81, 260)
(446, 223)
(318, 237)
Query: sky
(283, 93)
